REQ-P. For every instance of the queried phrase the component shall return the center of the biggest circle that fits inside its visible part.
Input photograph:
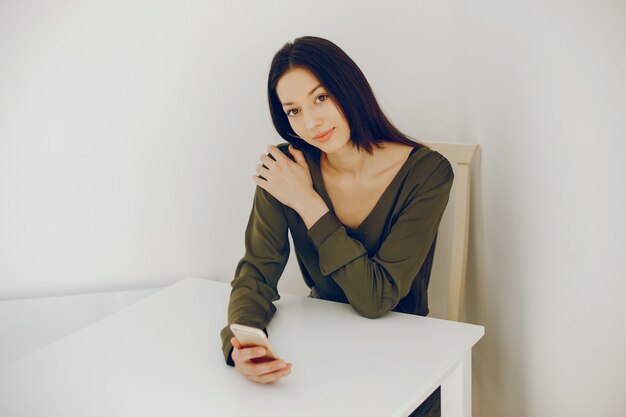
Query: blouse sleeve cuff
(227, 347)
(323, 228)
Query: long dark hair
(344, 81)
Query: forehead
(295, 85)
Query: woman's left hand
(288, 181)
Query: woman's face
(311, 111)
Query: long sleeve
(375, 284)
(254, 288)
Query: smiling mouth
(325, 136)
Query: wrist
(312, 209)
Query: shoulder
(311, 154)
(429, 166)
(284, 148)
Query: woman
(362, 201)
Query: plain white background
(129, 132)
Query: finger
(260, 181)
(269, 378)
(297, 155)
(263, 368)
(234, 355)
(250, 364)
(235, 342)
(254, 352)
(278, 155)
(267, 161)
(262, 171)
(242, 358)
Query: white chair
(450, 260)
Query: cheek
(337, 111)
(296, 126)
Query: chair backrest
(450, 260)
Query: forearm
(254, 288)
(250, 304)
(365, 280)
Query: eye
(323, 95)
(290, 114)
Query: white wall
(542, 87)
(129, 132)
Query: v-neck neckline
(319, 181)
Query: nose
(312, 120)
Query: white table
(27, 325)
(161, 356)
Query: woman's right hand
(266, 372)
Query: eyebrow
(310, 92)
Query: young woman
(362, 200)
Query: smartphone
(251, 336)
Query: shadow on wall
(499, 387)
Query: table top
(161, 356)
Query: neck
(347, 161)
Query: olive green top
(382, 265)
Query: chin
(336, 146)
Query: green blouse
(382, 265)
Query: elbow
(374, 314)
(375, 307)
(372, 311)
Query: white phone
(251, 336)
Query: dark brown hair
(344, 81)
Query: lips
(324, 135)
